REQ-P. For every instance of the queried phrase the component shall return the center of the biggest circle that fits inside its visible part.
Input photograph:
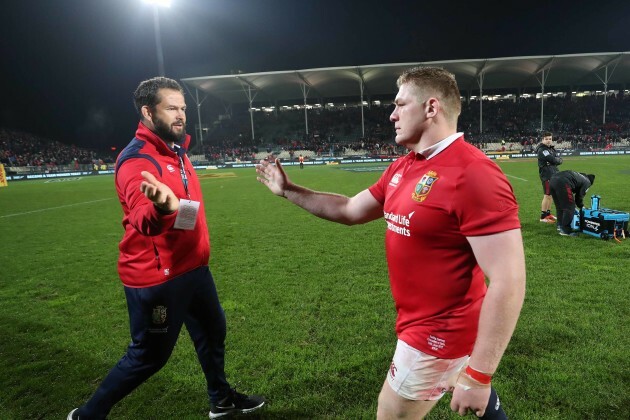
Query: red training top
(151, 250)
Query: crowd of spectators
(330, 132)
(18, 148)
(337, 131)
(578, 121)
(333, 131)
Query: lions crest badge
(159, 315)
(423, 187)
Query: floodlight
(156, 26)
(162, 3)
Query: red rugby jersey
(431, 206)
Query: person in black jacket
(548, 162)
(568, 189)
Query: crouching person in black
(568, 189)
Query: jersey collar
(432, 151)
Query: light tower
(156, 26)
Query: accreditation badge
(186, 215)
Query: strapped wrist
(482, 378)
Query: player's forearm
(498, 318)
(325, 205)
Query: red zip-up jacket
(152, 251)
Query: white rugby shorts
(421, 377)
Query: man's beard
(166, 133)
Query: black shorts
(546, 187)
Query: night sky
(68, 67)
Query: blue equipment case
(600, 222)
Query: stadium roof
(518, 73)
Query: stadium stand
(508, 126)
(23, 152)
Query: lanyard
(182, 171)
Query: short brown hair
(147, 92)
(435, 81)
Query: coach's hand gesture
(160, 194)
(273, 176)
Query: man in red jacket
(163, 262)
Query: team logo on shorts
(423, 187)
(159, 315)
(392, 370)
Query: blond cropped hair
(438, 83)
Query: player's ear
(146, 112)
(432, 107)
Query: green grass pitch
(310, 316)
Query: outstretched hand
(160, 194)
(273, 176)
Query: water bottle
(595, 202)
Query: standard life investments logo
(398, 223)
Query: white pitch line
(54, 208)
(512, 176)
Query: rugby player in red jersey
(452, 222)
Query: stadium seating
(576, 123)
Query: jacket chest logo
(423, 187)
(170, 168)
